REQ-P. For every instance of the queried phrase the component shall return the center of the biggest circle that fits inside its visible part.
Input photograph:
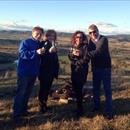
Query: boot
(42, 107)
(79, 110)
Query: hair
(50, 31)
(93, 27)
(37, 28)
(84, 39)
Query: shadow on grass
(8, 89)
(121, 106)
(58, 113)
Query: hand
(76, 52)
(52, 49)
(41, 51)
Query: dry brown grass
(61, 116)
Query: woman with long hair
(79, 66)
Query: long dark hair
(84, 37)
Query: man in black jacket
(98, 51)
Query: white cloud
(104, 27)
(15, 25)
(109, 28)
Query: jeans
(23, 92)
(104, 76)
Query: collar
(34, 39)
(96, 40)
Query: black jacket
(49, 62)
(99, 53)
(79, 65)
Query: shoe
(18, 119)
(95, 109)
(108, 116)
(79, 112)
(25, 113)
(43, 109)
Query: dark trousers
(45, 85)
(102, 76)
(24, 89)
(78, 86)
(78, 78)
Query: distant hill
(13, 37)
(121, 37)
(9, 42)
(18, 35)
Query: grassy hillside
(61, 116)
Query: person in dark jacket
(49, 68)
(79, 66)
(27, 71)
(98, 51)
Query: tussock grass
(62, 116)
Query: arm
(85, 59)
(25, 52)
(72, 56)
(56, 61)
(101, 48)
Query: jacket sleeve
(85, 59)
(71, 56)
(101, 48)
(25, 52)
(56, 71)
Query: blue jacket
(28, 60)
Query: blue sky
(112, 17)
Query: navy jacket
(28, 60)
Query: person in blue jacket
(49, 68)
(27, 71)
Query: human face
(78, 39)
(93, 33)
(51, 37)
(37, 34)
